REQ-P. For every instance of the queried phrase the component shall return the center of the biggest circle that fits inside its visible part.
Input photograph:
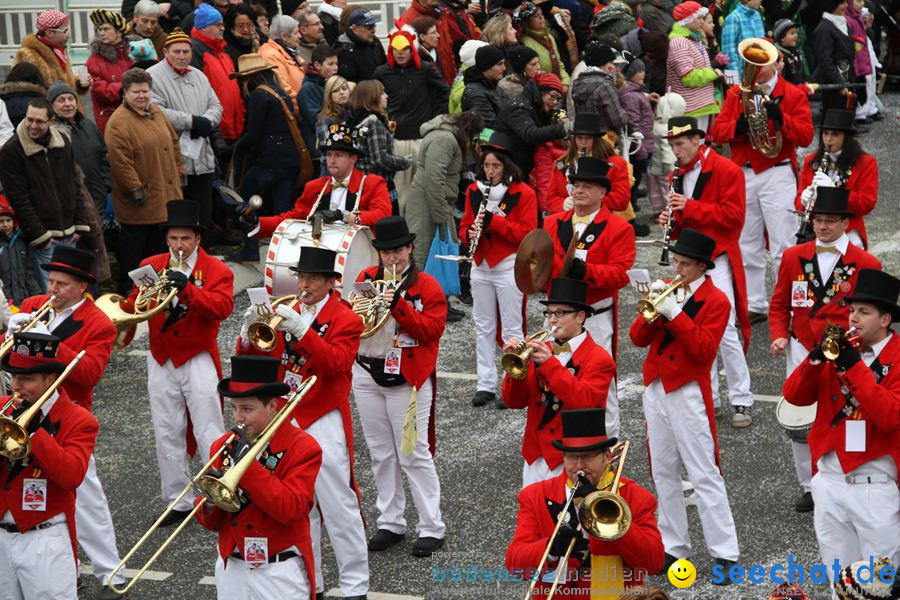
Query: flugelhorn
(515, 363)
(15, 441)
(36, 317)
(604, 514)
(647, 307)
(263, 332)
(221, 491)
(831, 342)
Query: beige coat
(40, 55)
(143, 153)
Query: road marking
(84, 569)
(137, 353)
(462, 376)
(336, 593)
(208, 580)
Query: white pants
(770, 198)
(340, 509)
(678, 433)
(382, 411)
(795, 353)
(855, 520)
(285, 579)
(38, 565)
(538, 471)
(601, 328)
(730, 349)
(492, 288)
(403, 179)
(173, 393)
(94, 524)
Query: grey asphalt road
(479, 464)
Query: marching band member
(397, 362)
(80, 325)
(345, 194)
(264, 549)
(853, 440)
(841, 162)
(813, 280)
(499, 222)
(603, 252)
(183, 366)
(770, 182)
(572, 372)
(637, 554)
(588, 139)
(681, 425)
(36, 559)
(708, 196)
(320, 336)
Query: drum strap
(359, 192)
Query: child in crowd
(640, 120)
(786, 35)
(16, 258)
(663, 160)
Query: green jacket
(544, 56)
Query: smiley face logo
(682, 573)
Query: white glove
(568, 203)
(16, 321)
(806, 196)
(823, 180)
(668, 307)
(40, 327)
(250, 316)
(293, 323)
(656, 287)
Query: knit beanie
(178, 36)
(549, 81)
(467, 52)
(597, 54)
(686, 12)
(206, 15)
(487, 57)
(634, 67)
(57, 89)
(519, 57)
(782, 26)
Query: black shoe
(454, 315)
(242, 257)
(756, 317)
(864, 121)
(424, 546)
(466, 298)
(320, 596)
(640, 229)
(877, 117)
(174, 517)
(805, 503)
(384, 539)
(481, 398)
(668, 561)
(726, 566)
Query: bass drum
(796, 420)
(353, 244)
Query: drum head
(795, 418)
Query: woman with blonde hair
(334, 108)
(499, 32)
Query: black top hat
(593, 170)
(392, 232)
(839, 119)
(568, 291)
(33, 353)
(679, 126)
(833, 201)
(584, 430)
(693, 244)
(340, 137)
(499, 142)
(72, 261)
(316, 260)
(253, 376)
(183, 213)
(878, 288)
(588, 123)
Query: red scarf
(176, 69)
(546, 40)
(682, 171)
(60, 53)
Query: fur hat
(101, 16)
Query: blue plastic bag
(445, 271)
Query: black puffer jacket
(90, 155)
(482, 96)
(524, 118)
(415, 96)
(357, 60)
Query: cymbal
(534, 262)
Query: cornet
(831, 343)
(647, 307)
(263, 332)
(516, 363)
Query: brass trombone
(516, 363)
(604, 514)
(15, 441)
(36, 317)
(263, 332)
(647, 307)
(221, 491)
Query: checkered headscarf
(50, 19)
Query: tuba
(757, 53)
(374, 311)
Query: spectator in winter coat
(330, 15)
(455, 26)
(689, 71)
(283, 52)
(359, 50)
(108, 61)
(482, 94)
(835, 53)
(523, 62)
(323, 64)
(334, 109)
(241, 36)
(741, 23)
(23, 84)
(16, 258)
(786, 36)
(145, 25)
(170, 13)
(466, 61)
(310, 27)
(500, 32)
(656, 17)
(663, 160)
(536, 35)
(595, 89)
(640, 120)
(428, 36)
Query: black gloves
(200, 127)
(330, 216)
(239, 446)
(773, 110)
(585, 488)
(561, 542)
(177, 280)
(849, 355)
(139, 196)
(578, 269)
(248, 223)
(486, 220)
(741, 126)
(35, 422)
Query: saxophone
(757, 53)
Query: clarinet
(806, 233)
(664, 257)
(479, 227)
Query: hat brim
(394, 243)
(699, 132)
(705, 260)
(595, 132)
(576, 305)
(198, 228)
(887, 305)
(342, 147)
(601, 445)
(488, 147)
(331, 273)
(84, 276)
(235, 75)
(47, 367)
(273, 389)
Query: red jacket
(373, 205)
(454, 27)
(278, 499)
(107, 84)
(88, 328)
(210, 57)
(716, 208)
(208, 300)
(502, 235)
(863, 186)
(797, 131)
(823, 302)
(619, 196)
(878, 396)
(586, 385)
(542, 179)
(641, 548)
(60, 457)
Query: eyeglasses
(555, 96)
(585, 457)
(559, 314)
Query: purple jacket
(862, 64)
(640, 116)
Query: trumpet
(15, 441)
(36, 317)
(516, 363)
(263, 332)
(647, 307)
(221, 491)
(374, 311)
(831, 347)
(604, 514)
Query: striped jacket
(689, 73)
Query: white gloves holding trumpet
(668, 307)
(19, 319)
(293, 323)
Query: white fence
(17, 20)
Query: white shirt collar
(770, 84)
(47, 406)
(189, 262)
(841, 243)
(576, 341)
(877, 348)
(839, 21)
(320, 304)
